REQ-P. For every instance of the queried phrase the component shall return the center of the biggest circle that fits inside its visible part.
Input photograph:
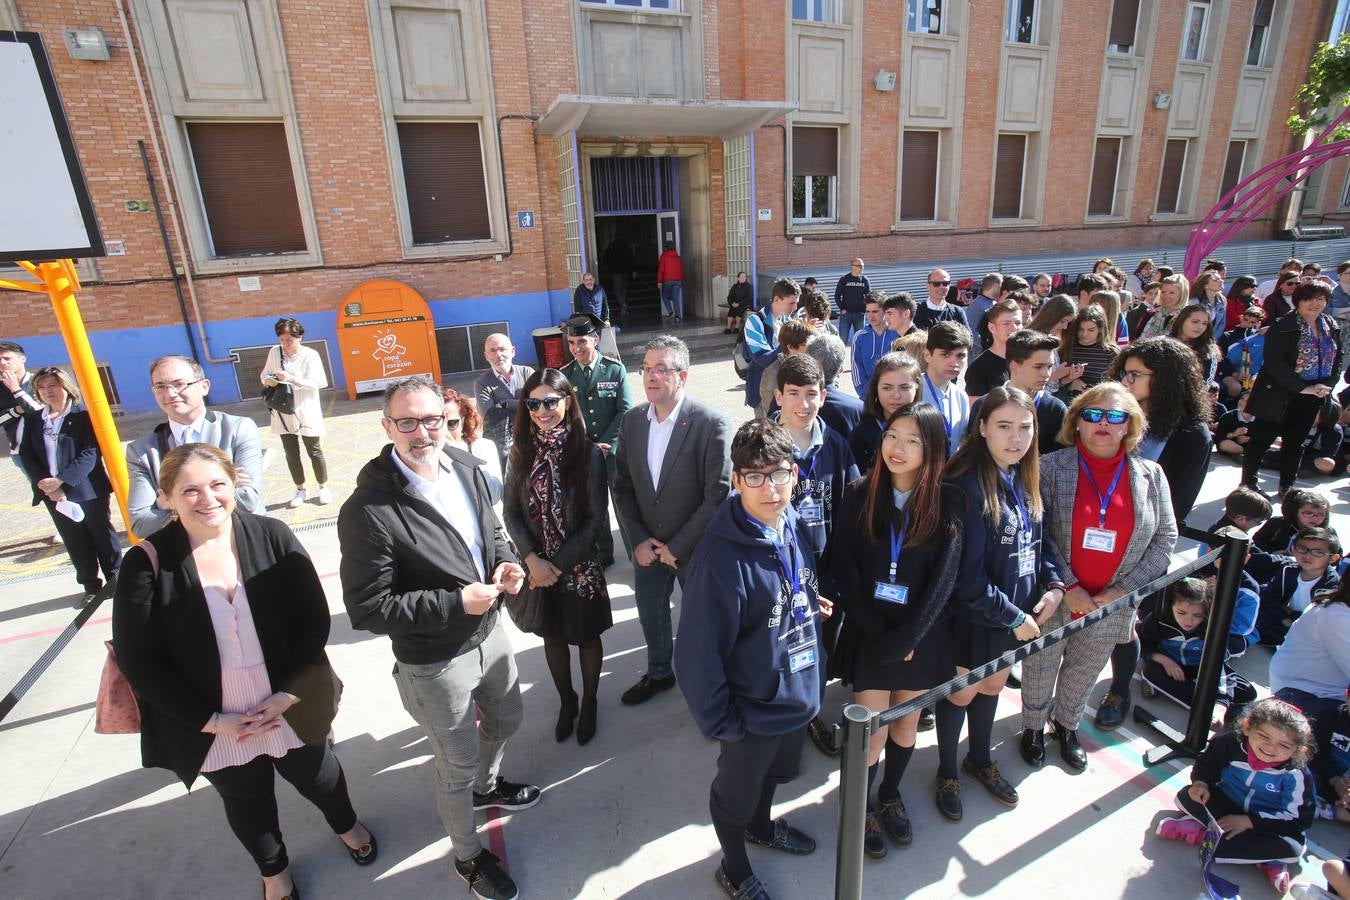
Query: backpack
(740, 353)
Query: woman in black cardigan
(69, 479)
(1302, 364)
(555, 507)
(220, 626)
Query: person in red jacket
(670, 281)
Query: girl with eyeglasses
(556, 504)
(1112, 531)
(62, 459)
(1005, 584)
(898, 540)
(464, 429)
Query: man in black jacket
(424, 561)
(16, 395)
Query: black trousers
(291, 444)
(1298, 419)
(745, 768)
(92, 544)
(1251, 846)
(251, 801)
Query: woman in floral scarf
(555, 504)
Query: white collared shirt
(188, 434)
(658, 439)
(451, 498)
(51, 428)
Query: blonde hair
(171, 466)
(914, 344)
(66, 380)
(1107, 390)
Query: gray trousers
(1066, 672)
(442, 697)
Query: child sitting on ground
(1232, 431)
(1172, 643)
(1331, 762)
(1290, 591)
(1255, 784)
(1272, 544)
(1244, 508)
(1242, 632)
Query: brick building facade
(307, 144)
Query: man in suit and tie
(602, 393)
(673, 470)
(180, 387)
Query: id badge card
(1103, 539)
(809, 508)
(802, 655)
(892, 593)
(1026, 562)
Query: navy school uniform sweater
(990, 591)
(1332, 759)
(865, 440)
(738, 630)
(1279, 800)
(857, 563)
(824, 470)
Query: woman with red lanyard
(1111, 531)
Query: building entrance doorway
(636, 209)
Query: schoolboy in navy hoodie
(749, 659)
(1286, 595)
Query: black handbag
(280, 397)
(526, 608)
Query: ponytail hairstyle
(973, 456)
(925, 504)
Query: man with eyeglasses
(850, 296)
(180, 388)
(498, 392)
(672, 471)
(425, 560)
(936, 308)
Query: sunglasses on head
(1112, 416)
(548, 403)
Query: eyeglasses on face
(659, 371)
(939, 283)
(1112, 416)
(548, 403)
(409, 425)
(1130, 376)
(1314, 552)
(163, 387)
(779, 477)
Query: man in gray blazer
(673, 470)
(180, 387)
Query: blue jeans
(672, 297)
(652, 587)
(849, 323)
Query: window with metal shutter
(1169, 186)
(1105, 165)
(247, 187)
(443, 177)
(1008, 166)
(918, 185)
(815, 151)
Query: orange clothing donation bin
(385, 333)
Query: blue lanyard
(1110, 492)
(1040, 395)
(809, 470)
(1019, 499)
(791, 575)
(897, 541)
(943, 402)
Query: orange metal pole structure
(59, 282)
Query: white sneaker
(325, 496)
(297, 500)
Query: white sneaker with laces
(325, 496)
(298, 499)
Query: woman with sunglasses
(1301, 366)
(898, 540)
(1111, 532)
(464, 429)
(1280, 302)
(555, 506)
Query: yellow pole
(60, 283)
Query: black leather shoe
(1112, 710)
(486, 877)
(927, 721)
(822, 736)
(586, 722)
(646, 689)
(949, 799)
(749, 889)
(874, 845)
(367, 853)
(507, 795)
(785, 838)
(566, 713)
(895, 821)
(1073, 754)
(993, 781)
(1033, 746)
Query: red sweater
(1095, 569)
(669, 267)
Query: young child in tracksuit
(1255, 783)
(1172, 642)
(749, 660)
(1331, 762)
(1291, 590)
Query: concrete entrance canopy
(634, 117)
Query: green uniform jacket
(604, 398)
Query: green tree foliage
(1326, 92)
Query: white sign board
(45, 211)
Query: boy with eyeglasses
(1312, 571)
(936, 308)
(750, 661)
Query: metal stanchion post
(848, 863)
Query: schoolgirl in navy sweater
(894, 558)
(895, 382)
(1004, 582)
